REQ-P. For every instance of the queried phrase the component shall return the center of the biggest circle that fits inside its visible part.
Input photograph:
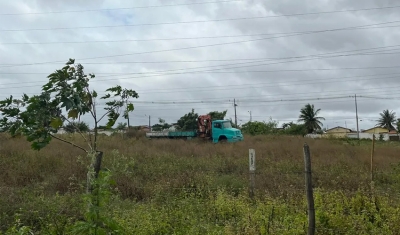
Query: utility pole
(355, 100)
(127, 114)
(234, 105)
(250, 116)
(149, 124)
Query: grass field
(191, 187)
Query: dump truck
(207, 129)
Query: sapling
(63, 99)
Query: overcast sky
(271, 56)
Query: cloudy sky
(273, 57)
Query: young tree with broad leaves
(65, 98)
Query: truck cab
(222, 131)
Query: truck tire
(222, 139)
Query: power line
(237, 85)
(136, 7)
(316, 56)
(245, 71)
(196, 3)
(174, 90)
(260, 98)
(202, 46)
(207, 60)
(295, 102)
(173, 39)
(264, 85)
(229, 72)
(149, 24)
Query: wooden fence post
(309, 190)
(372, 161)
(252, 170)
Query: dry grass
(157, 171)
(167, 164)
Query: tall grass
(162, 183)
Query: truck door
(217, 130)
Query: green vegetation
(192, 187)
(40, 117)
(180, 187)
(72, 127)
(309, 117)
(387, 120)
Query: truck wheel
(222, 139)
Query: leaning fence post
(372, 161)
(309, 190)
(252, 170)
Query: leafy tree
(398, 124)
(308, 115)
(121, 126)
(161, 125)
(215, 115)
(64, 98)
(188, 121)
(125, 97)
(259, 128)
(387, 120)
(72, 127)
(294, 129)
(104, 127)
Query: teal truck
(215, 131)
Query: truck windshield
(227, 125)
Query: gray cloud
(220, 91)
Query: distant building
(339, 132)
(376, 130)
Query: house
(143, 128)
(376, 130)
(338, 132)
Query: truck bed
(182, 134)
(157, 134)
(171, 134)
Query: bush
(73, 127)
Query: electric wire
(203, 46)
(252, 65)
(197, 3)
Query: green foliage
(387, 119)
(215, 115)
(398, 124)
(309, 117)
(188, 121)
(67, 90)
(94, 220)
(114, 106)
(72, 127)
(161, 125)
(294, 129)
(39, 120)
(121, 126)
(260, 128)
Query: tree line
(308, 122)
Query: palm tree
(308, 115)
(387, 120)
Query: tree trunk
(96, 165)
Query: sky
(272, 57)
